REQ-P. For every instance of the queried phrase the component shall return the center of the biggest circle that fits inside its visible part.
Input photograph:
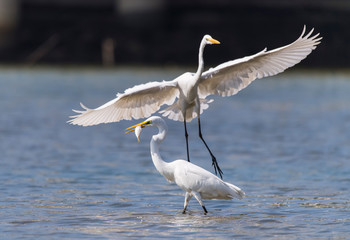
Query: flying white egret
(194, 180)
(191, 89)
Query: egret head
(149, 122)
(209, 40)
(138, 128)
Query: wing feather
(230, 77)
(137, 102)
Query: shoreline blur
(113, 32)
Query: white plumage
(194, 180)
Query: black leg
(214, 162)
(205, 210)
(186, 136)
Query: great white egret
(191, 89)
(194, 180)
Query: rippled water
(283, 140)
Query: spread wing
(137, 102)
(230, 77)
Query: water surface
(283, 140)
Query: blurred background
(153, 32)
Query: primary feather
(137, 102)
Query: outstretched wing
(137, 102)
(230, 77)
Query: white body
(194, 180)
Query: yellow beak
(132, 128)
(214, 41)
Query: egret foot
(216, 166)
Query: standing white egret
(191, 89)
(194, 180)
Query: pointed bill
(132, 128)
(214, 41)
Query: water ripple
(283, 140)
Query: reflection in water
(284, 140)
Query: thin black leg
(205, 210)
(214, 162)
(186, 136)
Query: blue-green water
(284, 140)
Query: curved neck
(161, 166)
(200, 59)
